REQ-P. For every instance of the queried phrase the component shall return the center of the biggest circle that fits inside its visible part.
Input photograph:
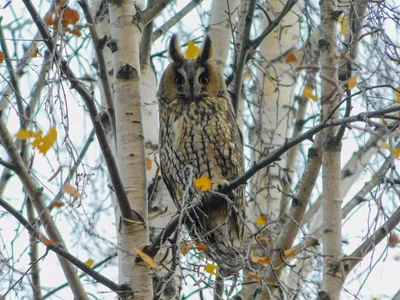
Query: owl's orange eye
(203, 79)
(179, 80)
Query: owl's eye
(203, 79)
(179, 80)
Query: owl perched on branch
(199, 138)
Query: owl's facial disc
(191, 82)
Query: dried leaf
(89, 262)
(46, 241)
(398, 95)
(254, 275)
(50, 18)
(192, 50)
(185, 247)
(290, 252)
(203, 183)
(384, 122)
(261, 220)
(201, 247)
(291, 58)
(70, 16)
(2, 56)
(71, 190)
(147, 259)
(247, 74)
(58, 203)
(259, 259)
(76, 31)
(148, 163)
(393, 240)
(308, 92)
(352, 82)
(35, 50)
(211, 269)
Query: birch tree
(83, 210)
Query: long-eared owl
(198, 129)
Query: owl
(199, 137)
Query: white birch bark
(331, 175)
(130, 141)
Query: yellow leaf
(24, 134)
(352, 82)
(290, 252)
(89, 262)
(259, 259)
(46, 241)
(192, 50)
(211, 269)
(291, 58)
(261, 220)
(398, 95)
(185, 247)
(147, 259)
(254, 275)
(148, 163)
(43, 144)
(71, 190)
(247, 74)
(309, 94)
(201, 247)
(203, 183)
(396, 152)
(386, 146)
(344, 21)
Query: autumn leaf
(43, 144)
(393, 240)
(71, 190)
(148, 163)
(75, 31)
(290, 252)
(398, 95)
(247, 74)
(46, 241)
(2, 56)
(291, 58)
(203, 183)
(35, 50)
(384, 122)
(308, 92)
(396, 151)
(50, 18)
(261, 220)
(185, 247)
(58, 203)
(201, 247)
(70, 16)
(352, 82)
(24, 134)
(147, 259)
(89, 262)
(254, 275)
(344, 22)
(211, 269)
(259, 259)
(192, 50)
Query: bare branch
(150, 13)
(59, 249)
(175, 19)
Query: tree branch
(175, 19)
(59, 249)
(147, 15)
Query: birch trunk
(331, 174)
(130, 141)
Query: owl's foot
(219, 185)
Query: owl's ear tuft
(174, 49)
(207, 52)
